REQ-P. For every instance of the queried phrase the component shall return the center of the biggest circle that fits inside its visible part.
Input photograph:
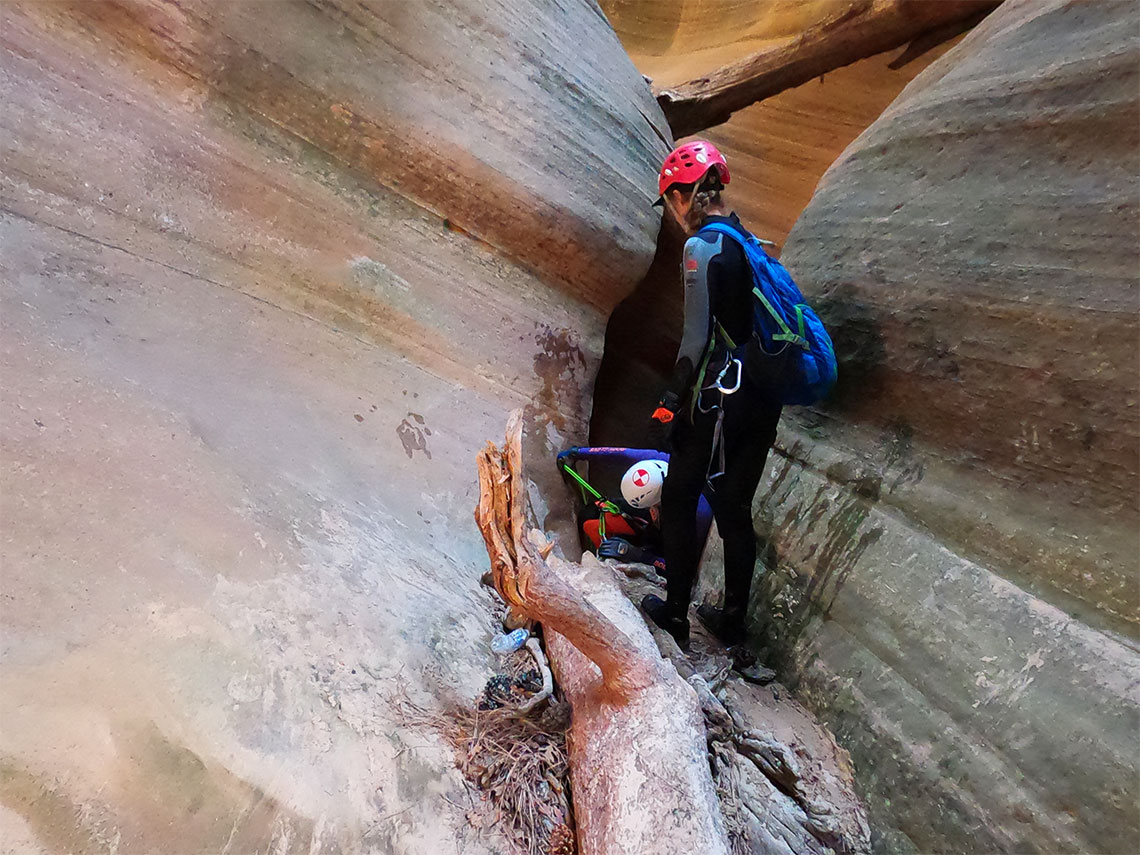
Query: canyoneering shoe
(727, 626)
(658, 612)
(745, 664)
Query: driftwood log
(639, 766)
(857, 30)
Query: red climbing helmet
(688, 163)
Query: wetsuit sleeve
(700, 270)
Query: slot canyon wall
(952, 539)
(956, 535)
(272, 273)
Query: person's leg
(704, 521)
(688, 467)
(749, 431)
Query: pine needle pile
(518, 762)
(521, 766)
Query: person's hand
(661, 424)
(621, 550)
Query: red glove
(661, 424)
(667, 409)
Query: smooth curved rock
(272, 273)
(954, 536)
(976, 253)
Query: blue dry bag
(790, 354)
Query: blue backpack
(790, 354)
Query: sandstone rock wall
(272, 272)
(679, 41)
(954, 536)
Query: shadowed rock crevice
(641, 342)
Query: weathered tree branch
(523, 580)
(638, 761)
(861, 29)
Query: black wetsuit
(718, 284)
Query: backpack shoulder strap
(722, 228)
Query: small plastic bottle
(505, 643)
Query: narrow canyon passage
(273, 273)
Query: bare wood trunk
(638, 760)
(859, 30)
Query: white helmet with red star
(641, 484)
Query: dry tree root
(535, 647)
(658, 762)
(768, 803)
(523, 578)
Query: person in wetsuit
(718, 311)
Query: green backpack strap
(718, 332)
(725, 337)
(785, 333)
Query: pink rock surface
(272, 272)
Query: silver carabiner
(726, 390)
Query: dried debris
(517, 761)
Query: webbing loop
(718, 449)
